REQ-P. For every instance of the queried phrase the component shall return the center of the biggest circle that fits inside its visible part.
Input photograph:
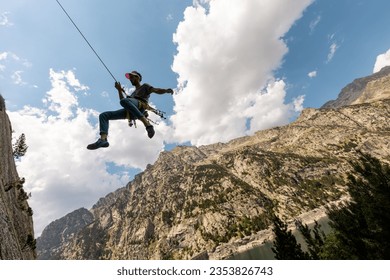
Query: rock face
(60, 232)
(17, 240)
(364, 90)
(212, 201)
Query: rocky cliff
(213, 201)
(60, 232)
(363, 90)
(16, 226)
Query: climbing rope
(148, 107)
(81, 33)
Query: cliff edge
(17, 240)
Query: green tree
(285, 245)
(361, 228)
(20, 147)
(314, 239)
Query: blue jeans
(128, 104)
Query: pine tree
(362, 226)
(20, 147)
(285, 245)
(314, 239)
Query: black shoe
(150, 131)
(98, 144)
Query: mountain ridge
(359, 91)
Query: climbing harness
(142, 105)
(145, 105)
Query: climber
(134, 107)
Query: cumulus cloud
(60, 172)
(273, 111)
(226, 55)
(382, 60)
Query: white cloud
(314, 23)
(17, 78)
(382, 60)
(272, 111)
(169, 17)
(60, 172)
(11, 60)
(227, 51)
(3, 55)
(331, 36)
(14, 57)
(4, 21)
(332, 50)
(60, 99)
(298, 103)
(312, 74)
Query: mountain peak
(363, 90)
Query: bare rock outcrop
(17, 240)
(364, 90)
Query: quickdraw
(146, 107)
(158, 112)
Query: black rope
(86, 40)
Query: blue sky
(236, 66)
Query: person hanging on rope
(134, 107)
